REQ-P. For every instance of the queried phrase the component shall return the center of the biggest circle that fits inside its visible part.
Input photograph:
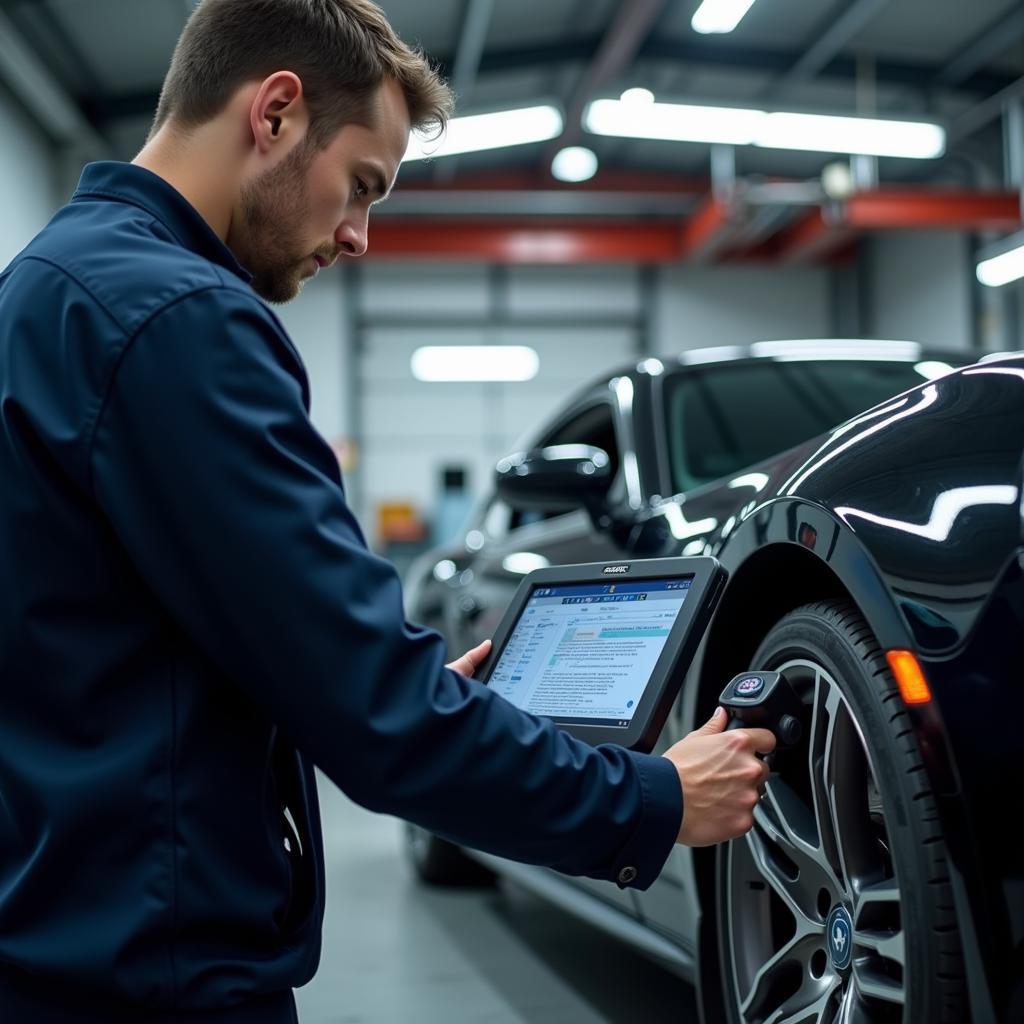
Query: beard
(262, 243)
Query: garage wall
(28, 178)
(581, 321)
(920, 287)
(697, 307)
(318, 324)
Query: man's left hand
(471, 660)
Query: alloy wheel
(812, 901)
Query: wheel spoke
(852, 1009)
(880, 986)
(877, 923)
(786, 822)
(812, 1004)
(767, 841)
(828, 712)
(798, 950)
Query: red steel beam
(528, 179)
(811, 238)
(895, 208)
(704, 236)
(707, 232)
(539, 242)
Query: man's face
(313, 206)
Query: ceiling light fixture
(719, 15)
(815, 133)
(480, 132)
(574, 164)
(1003, 266)
(475, 363)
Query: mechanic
(186, 601)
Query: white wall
(920, 287)
(28, 175)
(318, 324)
(696, 307)
(581, 321)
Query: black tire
(796, 898)
(438, 862)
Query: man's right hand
(722, 778)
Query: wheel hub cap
(839, 936)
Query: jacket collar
(128, 183)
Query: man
(186, 601)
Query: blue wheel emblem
(839, 935)
(749, 687)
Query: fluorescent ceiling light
(677, 122)
(863, 135)
(1004, 268)
(489, 131)
(720, 15)
(575, 163)
(475, 363)
(673, 122)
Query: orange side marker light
(909, 677)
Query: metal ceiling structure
(96, 68)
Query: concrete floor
(395, 952)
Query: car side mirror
(560, 478)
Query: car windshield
(724, 418)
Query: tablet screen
(584, 653)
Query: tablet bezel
(707, 583)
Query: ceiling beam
(543, 242)
(985, 112)
(472, 39)
(30, 80)
(812, 238)
(626, 35)
(728, 56)
(702, 54)
(939, 209)
(829, 40)
(995, 39)
(708, 232)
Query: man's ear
(278, 113)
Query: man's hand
(721, 777)
(471, 660)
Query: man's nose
(351, 236)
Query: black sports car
(879, 564)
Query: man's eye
(361, 188)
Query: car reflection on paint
(866, 500)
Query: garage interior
(659, 247)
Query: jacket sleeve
(230, 505)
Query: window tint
(721, 419)
(596, 427)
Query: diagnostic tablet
(601, 649)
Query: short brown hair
(342, 50)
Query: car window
(594, 426)
(724, 418)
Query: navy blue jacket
(186, 604)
